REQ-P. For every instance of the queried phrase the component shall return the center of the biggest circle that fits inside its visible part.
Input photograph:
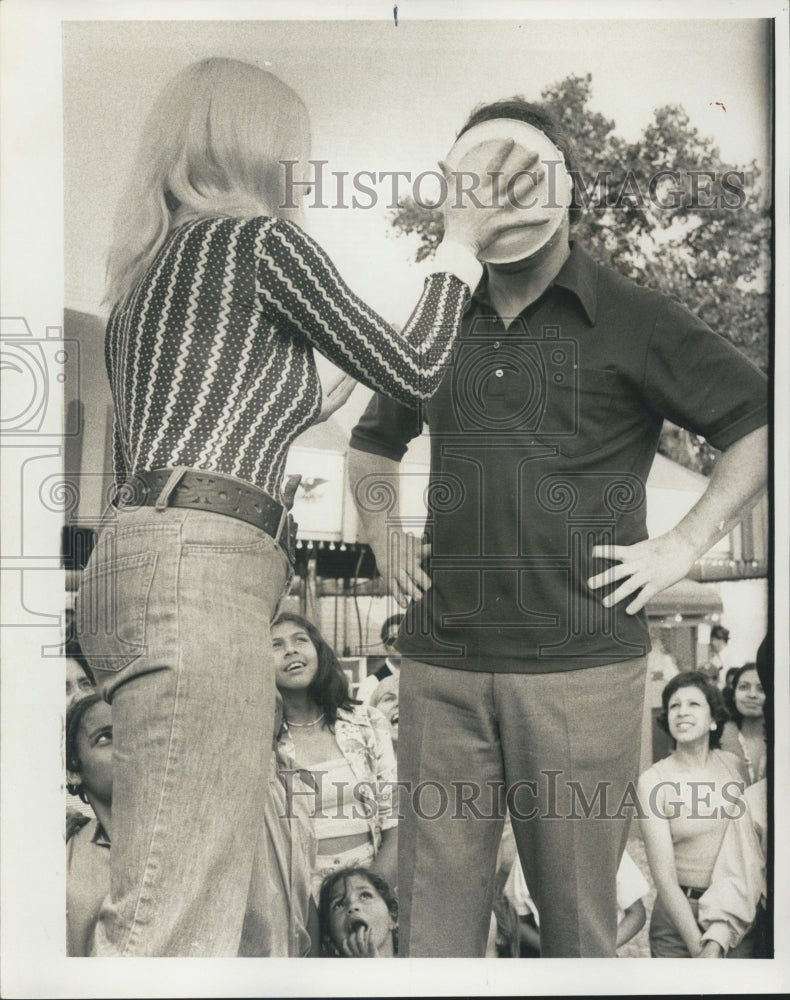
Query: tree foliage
(670, 213)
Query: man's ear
(73, 778)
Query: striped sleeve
(120, 470)
(297, 280)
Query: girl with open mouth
(358, 916)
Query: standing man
(524, 643)
(719, 659)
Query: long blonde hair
(212, 145)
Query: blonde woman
(218, 301)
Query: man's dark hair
(541, 118)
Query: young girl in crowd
(218, 300)
(357, 915)
(88, 776)
(688, 799)
(744, 733)
(341, 750)
(78, 683)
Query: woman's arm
(660, 851)
(385, 770)
(297, 280)
(386, 861)
(728, 908)
(632, 923)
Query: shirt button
(499, 373)
(496, 345)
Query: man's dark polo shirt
(542, 438)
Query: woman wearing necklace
(744, 735)
(342, 752)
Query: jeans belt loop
(283, 523)
(173, 480)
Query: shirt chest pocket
(578, 413)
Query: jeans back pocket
(111, 607)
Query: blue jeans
(173, 615)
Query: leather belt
(196, 489)
(692, 892)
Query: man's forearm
(646, 568)
(374, 484)
(737, 480)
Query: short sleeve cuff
(734, 432)
(720, 933)
(458, 260)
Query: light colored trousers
(173, 615)
(466, 738)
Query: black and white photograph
(395, 472)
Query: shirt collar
(579, 275)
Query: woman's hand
(711, 949)
(477, 214)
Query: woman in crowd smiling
(744, 734)
(688, 799)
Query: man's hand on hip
(402, 566)
(648, 567)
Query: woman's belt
(196, 489)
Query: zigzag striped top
(210, 356)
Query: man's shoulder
(614, 282)
(620, 302)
